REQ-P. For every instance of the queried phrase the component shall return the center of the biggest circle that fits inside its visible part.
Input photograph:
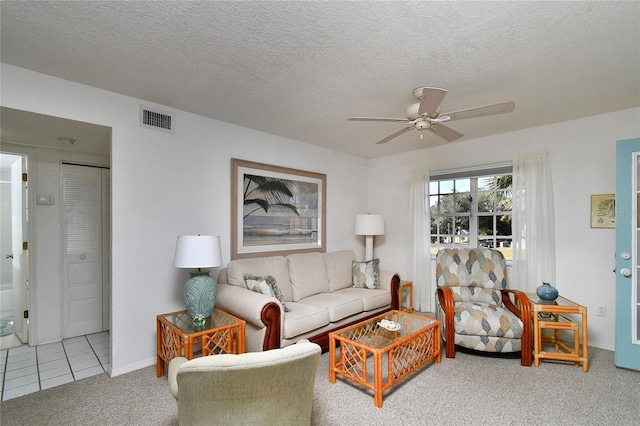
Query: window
(472, 209)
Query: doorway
(14, 270)
(49, 142)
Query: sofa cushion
(265, 285)
(338, 264)
(339, 306)
(371, 299)
(308, 275)
(276, 266)
(366, 274)
(303, 318)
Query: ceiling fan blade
(394, 120)
(396, 134)
(431, 99)
(481, 111)
(445, 132)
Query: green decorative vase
(200, 294)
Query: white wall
(582, 155)
(164, 185)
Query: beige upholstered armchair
(480, 313)
(256, 388)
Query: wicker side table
(177, 336)
(405, 296)
(563, 315)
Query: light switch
(45, 199)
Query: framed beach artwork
(603, 211)
(276, 210)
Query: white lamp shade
(369, 224)
(197, 251)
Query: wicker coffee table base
(392, 353)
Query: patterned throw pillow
(366, 274)
(267, 286)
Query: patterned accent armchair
(479, 312)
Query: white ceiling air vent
(159, 120)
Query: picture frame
(276, 211)
(603, 211)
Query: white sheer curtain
(420, 259)
(534, 250)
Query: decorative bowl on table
(389, 325)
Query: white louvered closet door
(82, 250)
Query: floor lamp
(369, 225)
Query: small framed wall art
(603, 211)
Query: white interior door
(82, 250)
(18, 233)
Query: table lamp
(369, 225)
(198, 251)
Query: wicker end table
(177, 336)
(561, 315)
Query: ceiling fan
(425, 115)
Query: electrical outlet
(602, 311)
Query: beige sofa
(316, 288)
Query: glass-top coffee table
(415, 342)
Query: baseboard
(132, 367)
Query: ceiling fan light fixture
(422, 125)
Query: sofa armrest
(390, 280)
(387, 278)
(257, 309)
(244, 303)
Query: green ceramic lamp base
(200, 294)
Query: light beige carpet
(466, 390)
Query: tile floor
(26, 369)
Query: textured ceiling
(299, 69)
